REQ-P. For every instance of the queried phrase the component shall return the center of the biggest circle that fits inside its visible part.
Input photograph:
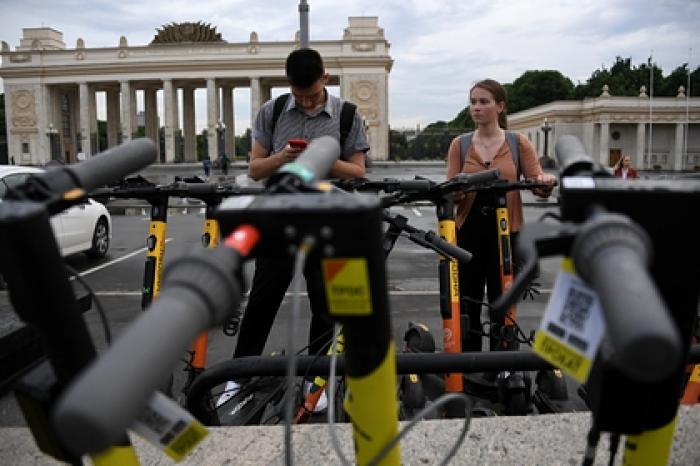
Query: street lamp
(52, 133)
(546, 161)
(220, 132)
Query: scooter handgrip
(415, 186)
(199, 291)
(612, 255)
(314, 163)
(115, 163)
(451, 250)
(479, 177)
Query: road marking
(119, 259)
(417, 212)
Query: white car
(82, 228)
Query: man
(206, 166)
(310, 113)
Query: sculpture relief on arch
(23, 109)
(364, 94)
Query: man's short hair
(304, 67)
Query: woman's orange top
(529, 166)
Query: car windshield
(10, 181)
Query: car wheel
(100, 239)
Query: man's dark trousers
(270, 282)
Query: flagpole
(651, 98)
(687, 102)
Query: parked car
(86, 227)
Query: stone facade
(610, 126)
(49, 85)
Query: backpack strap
(465, 140)
(347, 116)
(514, 145)
(512, 139)
(279, 104)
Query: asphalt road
(412, 283)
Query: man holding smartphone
(280, 132)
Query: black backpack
(347, 115)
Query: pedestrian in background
(624, 169)
(206, 166)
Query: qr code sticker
(577, 309)
(155, 421)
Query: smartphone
(298, 143)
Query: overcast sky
(439, 47)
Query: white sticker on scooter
(572, 326)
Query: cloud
(439, 47)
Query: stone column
(134, 110)
(188, 124)
(212, 118)
(127, 110)
(112, 117)
(641, 140)
(45, 116)
(74, 105)
(150, 102)
(229, 121)
(94, 133)
(587, 136)
(678, 148)
(604, 143)
(169, 96)
(84, 106)
(255, 100)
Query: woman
(623, 168)
(475, 216)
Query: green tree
(532, 88)
(432, 142)
(622, 78)
(538, 87)
(463, 120)
(398, 145)
(202, 145)
(243, 144)
(101, 135)
(679, 77)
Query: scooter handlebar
(200, 290)
(449, 249)
(612, 253)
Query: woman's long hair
(499, 94)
